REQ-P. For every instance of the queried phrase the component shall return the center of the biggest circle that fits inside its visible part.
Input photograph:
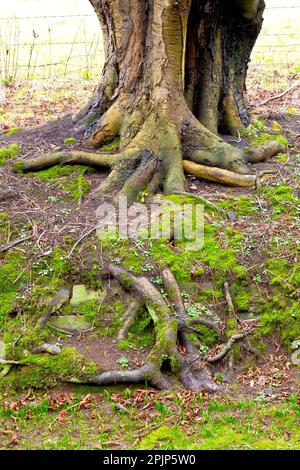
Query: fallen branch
(231, 309)
(4, 362)
(61, 298)
(7, 247)
(218, 175)
(281, 95)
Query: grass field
(136, 420)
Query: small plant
(69, 141)
(185, 295)
(52, 198)
(147, 267)
(203, 349)
(87, 75)
(143, 196)
(257, 278)
(123, 362)
(192, 311)
(158, 280)
(12, 131)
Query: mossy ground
(9, 152)
(255, 250)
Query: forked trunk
(206, 46)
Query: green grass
(172, 423)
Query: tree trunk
(174, 76)
(219, 40)
(221, 36)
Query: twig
(277, 97)
(12, 363)
(7, 247)
(129, 319)
(81, 239)
(231, 309)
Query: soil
(30, 200)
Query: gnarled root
(172, 325)
(262, 153)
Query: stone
(49, 348)
(81, 294)
(70, 323)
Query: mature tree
(174, 76)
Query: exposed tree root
(172, 325)
(262, 153)
(130, 317)
(61, 298)
(227, 348)
(69, 158)
(219, 175)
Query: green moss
(12, 131)
(282, 157)
(8, 153)
(234, 238)
(52, 270)
(253, 128)
(283, 320)
(18, 167)
(78, 188)
(59, 171)
(242, 300)
(12, 275)
(208, 337)
(281, 313)
(114, 145)
(283, 200)
(242, 206)
(73, 179)
(70, 141)
(141, 333)
(89, 309)
(265, 138)
(44, 370)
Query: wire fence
(70, 46)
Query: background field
(62, 39)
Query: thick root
(94, 160)
(189, 368)
(218, 175)
(262, 153)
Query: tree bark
(221, 37)
(217, 39)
